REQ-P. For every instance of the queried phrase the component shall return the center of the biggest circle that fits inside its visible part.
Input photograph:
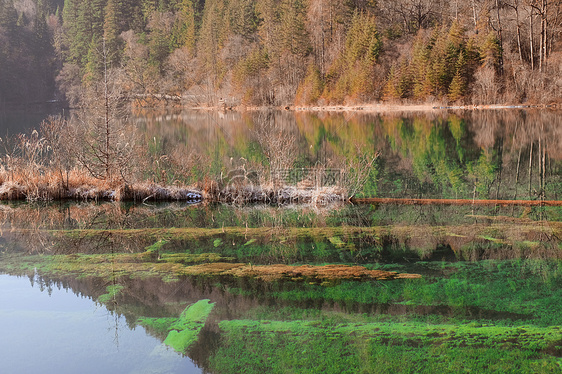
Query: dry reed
(79, 185)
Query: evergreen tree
(8, 17)
(184, 29)
(243, 18)
(311, 88)
(294, 36)
(213, 33)
(112, 30)
(490, 51)
(352, 74)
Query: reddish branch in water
(455, 202)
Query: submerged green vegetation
(316, 346)
(489, 315)
(358, 289)
(181, 332)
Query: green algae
(183, 332)
(138, 265)
(316, 346)
(516, 291)
(156, 247)
(188, 258)
(342, 243)
(180, 333)
(462, 335)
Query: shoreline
(376, 108)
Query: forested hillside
(28, 64)
(266, 52)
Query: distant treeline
(268, 52)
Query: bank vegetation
(283, 53)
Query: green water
(243, 289)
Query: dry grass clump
(62, 161)
(283, 195)
(151, 191)
(79, 185)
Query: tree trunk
(500, 36)
(518, 32)
(530, 168)
(541, 56)
(531, 39)
(474, 16)
(545, 31)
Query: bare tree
(278, 144)
(106, 141)
(59, 137)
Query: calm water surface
(53, 330)
(487, 298)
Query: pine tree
(294, 36)
(112, 30)
(242, 17)
(93, 66)
(311, 88)
(8, 17)
(184, 30)
(213, 34)
(490, 51)
(457, 87)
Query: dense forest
(278, 53)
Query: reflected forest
(304, 242)
(258, 186)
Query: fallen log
(399, 201)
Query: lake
(302, 288)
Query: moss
(180, 333)
(188, 258)
(156, 246)
(184, 331)
(322, 346)
(295, 273)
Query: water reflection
(477, 154)
(490, 277)
(66, 332)
(267, 235)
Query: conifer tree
(112, 30)
(8, 17)
(243, 18)
(214, 30)
(184, 30)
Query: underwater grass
(516, 291)
(343, 243)
(181, 332)
(316, 347)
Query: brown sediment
(374, 200)
(295, 273)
